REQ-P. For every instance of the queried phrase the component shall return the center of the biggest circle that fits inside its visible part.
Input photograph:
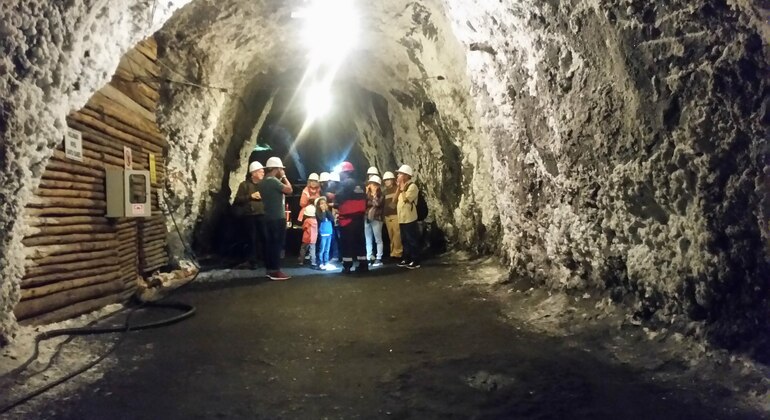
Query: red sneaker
(278, 276)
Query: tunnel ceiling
(611, 144)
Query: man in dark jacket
(248, 204)
(350, 201)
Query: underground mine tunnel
(612, 152)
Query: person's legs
(275, 235)
(411, 233)
(376, 226)
(334, 246)
(394, 232)
(346, 246)
(270, 246)
(311, 249)
(259, 224)
(302, 252)
(406, 256)
(359, 244)
(250, 223)
(369, 237)
(324, 253)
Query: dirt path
(396, 344)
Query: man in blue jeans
(407, 194)
(273, 190)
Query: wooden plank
(67, 239)
(60, 286)
(77, 203)
(63, 211)
(63, 175)
(74, 310)
(99, 130)
(115, 95)
(54, 184)
(156, 139)
(51, 250)
(61, 259)
(137, 91)
(68, 298)
(64, 275)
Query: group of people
(336, 211)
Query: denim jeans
(323, 249)
(275, 234)
(373, 229)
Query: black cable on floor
(188, 311)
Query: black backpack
(422, 205)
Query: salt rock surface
(611, 144)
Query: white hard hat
(375, 179)
(406, 170)
(309, 210)
(372, 171)
(255, 166)
(334, 176)
(324, 177)
(313, 177)
(388, 175)
(274, 162)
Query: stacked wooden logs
(77, 259)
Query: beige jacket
(407, 204)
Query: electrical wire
(188, 311)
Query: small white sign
(128, 157)
(73, 145)
(137, 209)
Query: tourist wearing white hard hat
(309, 194)
(309, 236)
(274, 189)
(407, 217)
(248, 205)
(372, 171)
(375, 202)
(390, 215)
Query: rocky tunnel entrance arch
(611, 145)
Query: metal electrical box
(128, 193)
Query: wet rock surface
(395, 344)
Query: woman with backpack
(408, 194)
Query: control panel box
(128, 193)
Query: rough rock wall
(626, 148)
(405, 48)
(212, 52)
(53, 56)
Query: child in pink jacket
(309, 236)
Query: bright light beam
(331, 29)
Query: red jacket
(350, 201)
(310, 230)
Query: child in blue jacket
(325, 219)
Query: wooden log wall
(77, 259)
